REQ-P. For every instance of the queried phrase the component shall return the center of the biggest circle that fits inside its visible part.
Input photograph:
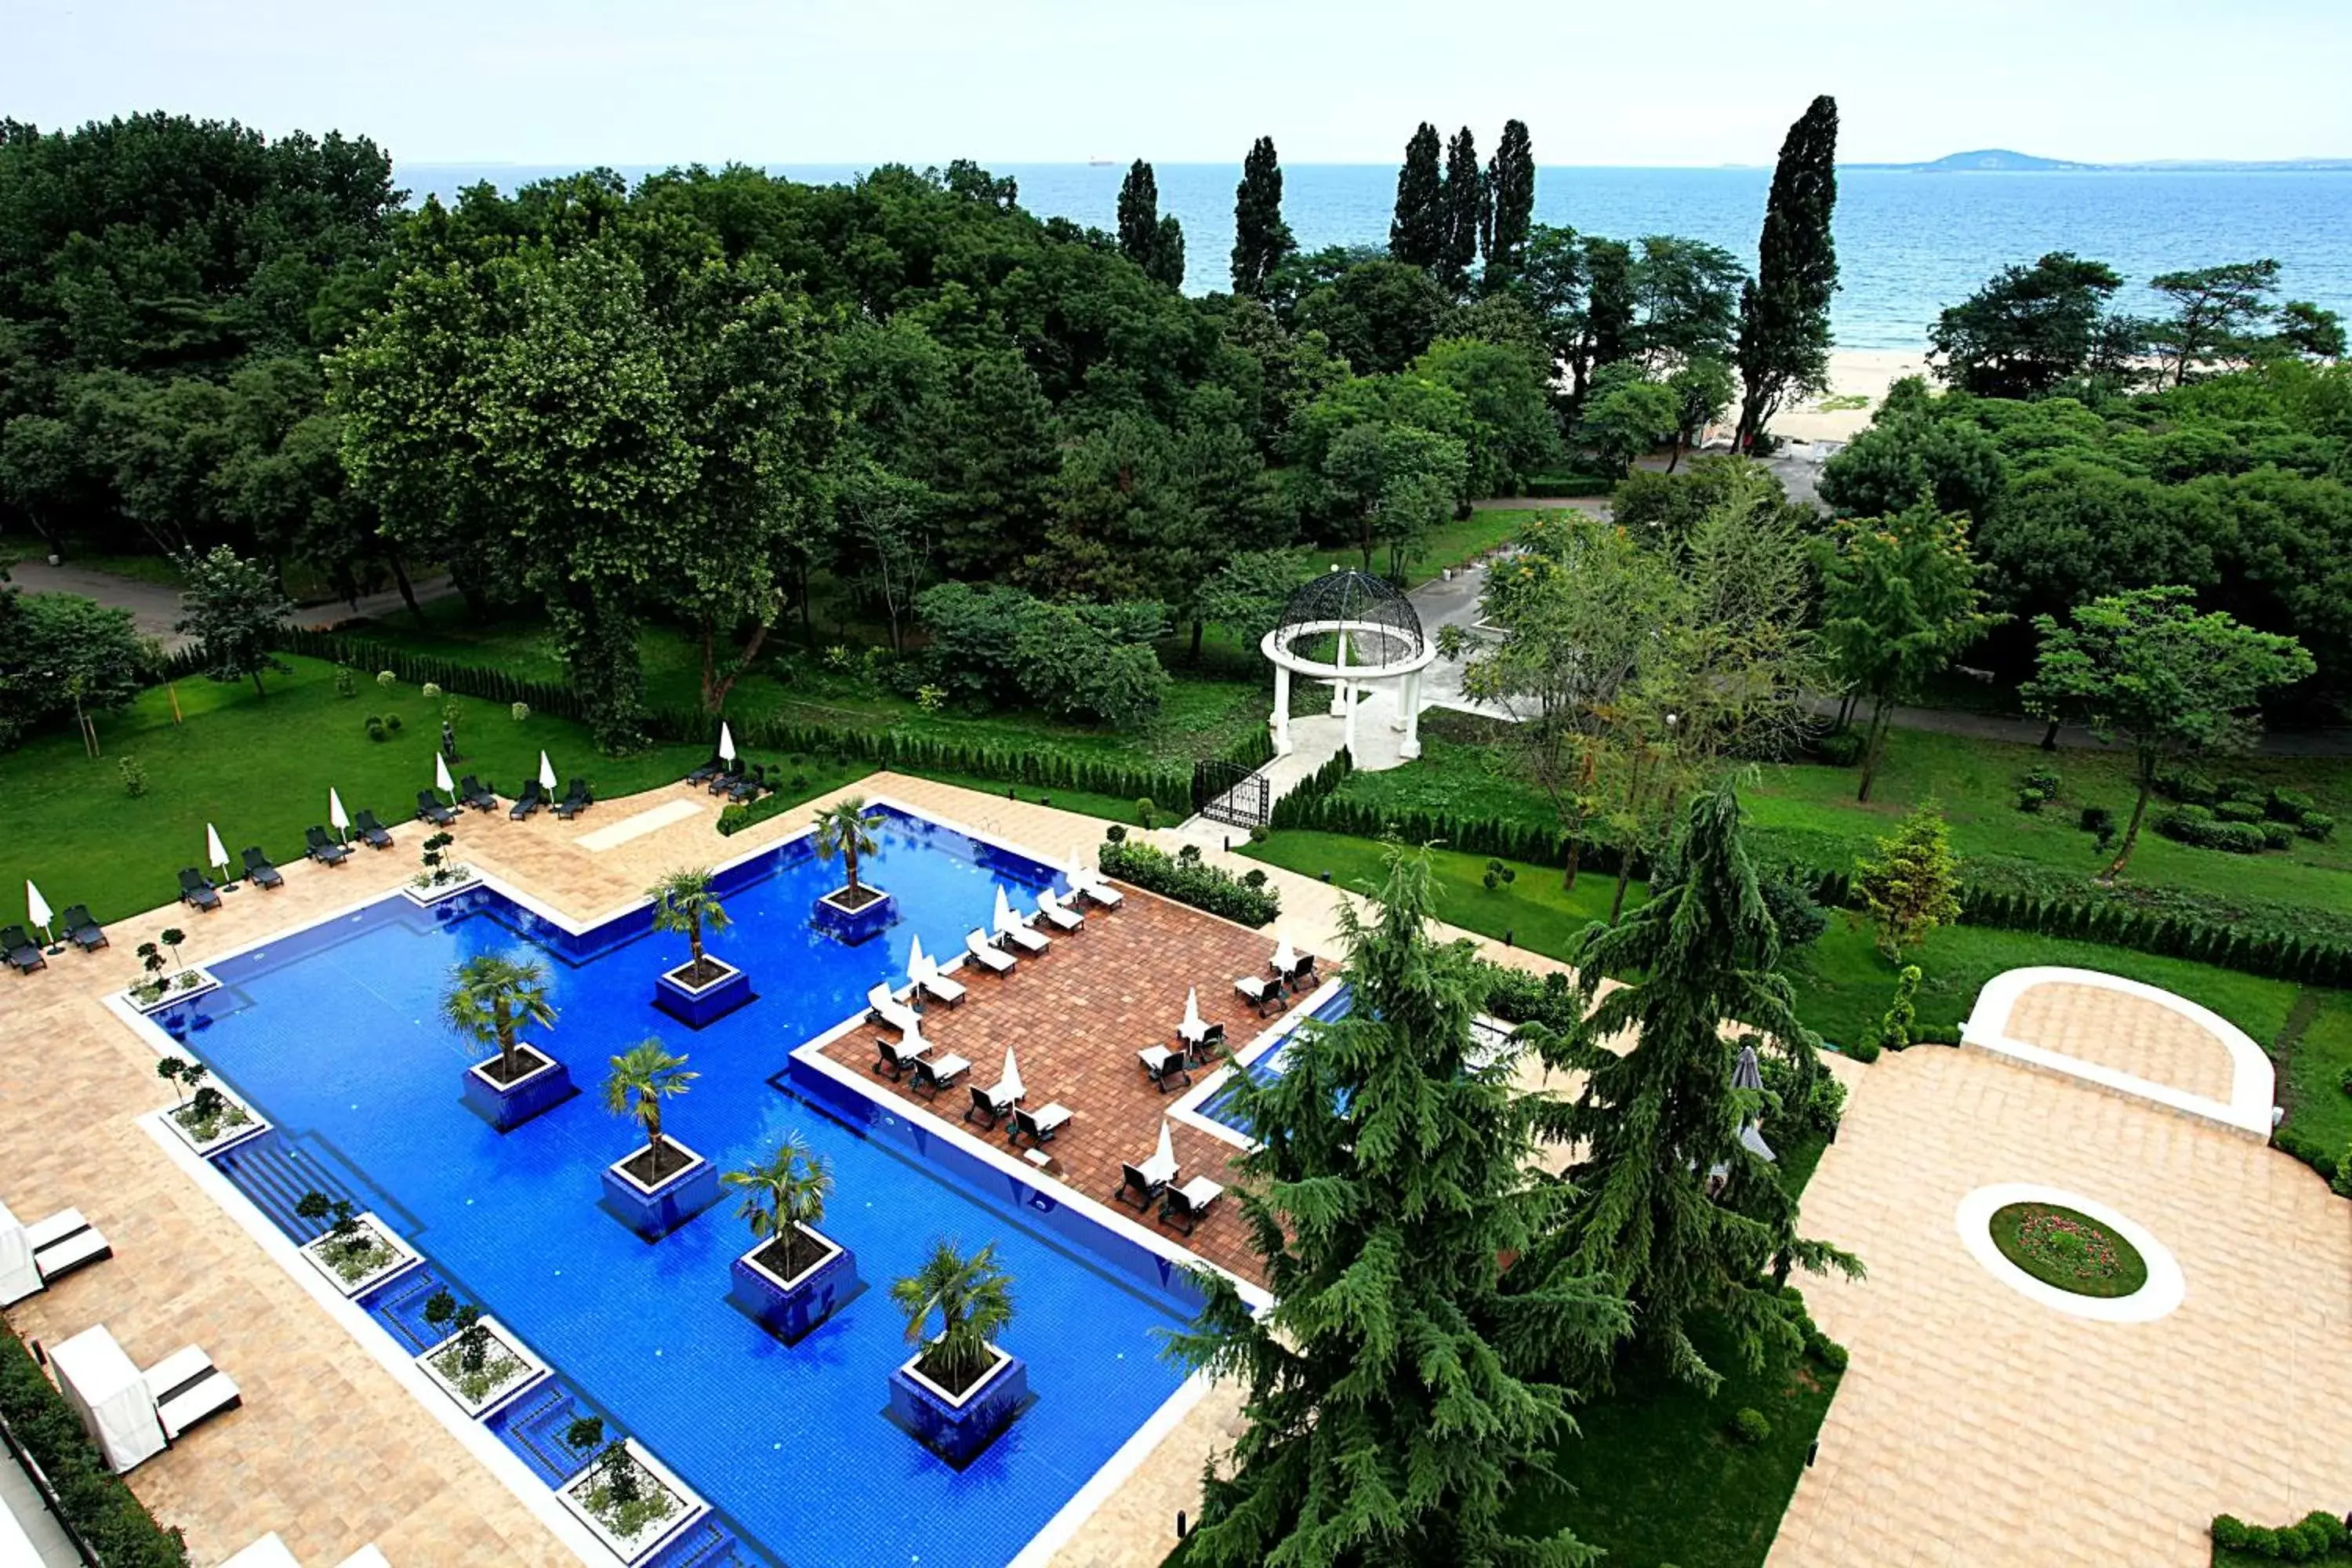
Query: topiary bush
(2314, 824)
(2312, 1537)
(2288, 806)
(2188, 786)
(1840, 748)
(1749, 1426)
(2238, 811)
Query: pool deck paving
(1974, 1425)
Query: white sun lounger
(64, 1242)
(890, 1010)
(1094, 890)
(1015, 931)
(993, 958)
(939, 987)
(188, 1388)
(1050, 909)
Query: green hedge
(92, 1502)
(1556, 487)
(1190, 882)
(2317, 1535)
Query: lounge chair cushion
(941, 1073)
(1028, 940)
(994, 960)
(948, 991)
(203, 1392)
(1101, 893)
(64, 1242)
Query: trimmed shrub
(2031, 800)
(1561, 486)
(2188, 786)
(2276, 836)
(2207, 830)
(91, 1499)
(2238, 811)
(1862, 1051)
(1749, 1426)
(375, 730)
(2314, 1536)
(2316, 824)
(1840, 748)
(2288, 805)
(2097, 819)
(2042, 781)
(1190, 882)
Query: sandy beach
(1854, 374)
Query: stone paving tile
(2127, 1033)
(1074, 1016)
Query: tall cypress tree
(1511, 194)
(1403, 1386)
(1417, 232)
(1154, 243)
(1261, 238)
(1784, 310)
(1466, 210)
(1657, 1122)
(1167, 263)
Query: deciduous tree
(1262, 240)
(233, 608)
(2028, 328)
(1419, 231)
(1467, 211)
(1511, 194)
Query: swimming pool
(334, 1034)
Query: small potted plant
(703, 989)
(795, 1276)
(663, 1184)
(623, 1494)
(207, 1118)
(440, 876)
(490, 997)
(958, 1390)
(477, 1362)
(357, 1251)
(167, 980)
(853, 912)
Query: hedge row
(91, 1499)
(487, 682)
(2317, 1535)
(1189, 881)
(2277, 954)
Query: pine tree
(1155, 244)
(1914, 885)
(1658, 1122)
(1261, 238)
(1784, 310)
(1466, 210)
(1417, 234)
(1511, 194)
(1402, 1387)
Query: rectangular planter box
(402, 1257)
(790, 1309)
(654, 1212)
(506, 1106)
(958, 1428)
(699, 1007)
(573, 1494)
(252, 1126)
(850, 927)
(502, 1342)
(462, 879)
(205, 983)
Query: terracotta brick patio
(1075, 1018)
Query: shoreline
(1865, 373)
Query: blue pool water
(1221, 1107)
(335, 1036)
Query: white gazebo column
(1412, 703)
(1340, 687)
(1281, 711)
(1348, 695)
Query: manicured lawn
(1659, 1478)
(2037, 1237)
(1532, 911)
(1458, 544)
(259, 769)
(1109, 807)
(2311, 1076)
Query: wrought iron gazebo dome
(1372, 610)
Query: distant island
(2003, 161)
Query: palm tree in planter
(959, 1390)
(491, 996)
(664, 1183)
(858, 911)
(794, 1275)
(703, 989)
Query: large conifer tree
(1404, 1385)
(1656, 1121)
(1261, 238)
(1417, 232)
(1511, 199)
(1154, 243)
(1466, 210)
(1784, 310)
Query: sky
(1694, 83)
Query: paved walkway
(155, 608)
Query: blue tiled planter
(699, 1008)
(509, 1105)
(653, 1213)
(790, 1310)
(957, 1431)
(850, 927)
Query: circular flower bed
(2068, 1249)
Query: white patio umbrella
(337, 817)
(214, 855)
(546, 772)
(726, 743)
(1192, 1008)
(1284, 960)
(1753, 1142)
(36, 907)
(916, 965)
(441, 776)
(1161, 1167)
(1009, 1088)
(1005, 915)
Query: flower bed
(359, 1261)
(481, 1367)
(629, 1501)
(2068, 1249)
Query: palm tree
(974, 1299)
(786, 1192)
(683, 902)
(639, 1082)
(492, 996)
(842, 829)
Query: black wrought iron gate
(1229, 793)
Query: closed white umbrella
(1747, 1073)
(1009, 1088)
(1162, 1166)
(214, 855)
(1284, 960)
(546, 772)
(1004, 916)
(441, 776)
(917, 967)
(336, 815)
(36, 907)
(726, 743)
(1192, 1007)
